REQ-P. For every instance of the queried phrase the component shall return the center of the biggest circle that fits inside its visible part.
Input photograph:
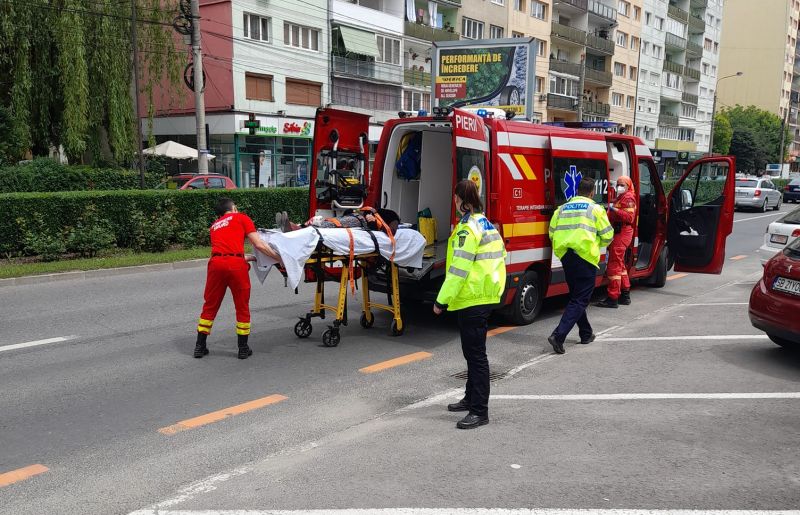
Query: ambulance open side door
(471, 154)
(700, 216)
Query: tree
(69, 73)
(722, 134)
(749, 156)
(764, 127)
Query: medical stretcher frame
(318, 263)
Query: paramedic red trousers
(616, 272)
(226, 272)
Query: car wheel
(763, 208)
(783, 342)
(659, 277)
(778, 205)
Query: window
(655, 79)
(619, 70)
(624, 8)
(633, 73)
(652, 106)
(389, 49)
(538, 10)
(705, 68)
(258, 87)
(629, 102)
(256, 27)
(640, 104)
(472, 29)
(648, 18)
(216, 183)
(539, 85)
(643, 76)
(301, 37)
(688, 111)
(637, 13)
(622, 39)
(634, 43)
(616, 99)
(645, 48)
(499, 2)
(515, 34)
(675, 27)
(495, 32)
(707, 44)
(541, 47)
(659, 23)
(716, 47)
(562, 86)
(303, 92)
(519, 5)
(415, 100)
(596, 169)
(672, 80)
(657, 51)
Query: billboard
(495, 73)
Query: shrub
(91, 234)
(194, 233)
(37, 240)
(44, 174)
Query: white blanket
(297, 246)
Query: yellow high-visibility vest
(581, 225)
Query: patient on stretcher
(352, 220)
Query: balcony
(598, 77)
(416, 78)
(689, 98)
(600, 45)
(602, 10)
(668, 119)
(694, 49)
(565, 67)
(596, 108)
(677, 13)
(579, 4)
(567, 33)
(696, 25)
(428, 33)
(691, 73)
(379, 72)
(561, 102)
(674, 42)
(671, 66)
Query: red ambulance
(524, 171)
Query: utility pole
(199, 86)
(783, 133)
(135, 45)
(713, 116)
(581, 85)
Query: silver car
(757, 193)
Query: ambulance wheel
(659, 277)
(331, 338)
(302, 329)
(527, 301)
(395, 330)
(366, 323)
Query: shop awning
(359, 41)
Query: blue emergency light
(422, 112)
(483, 113)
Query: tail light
(757, 193)
(796, 233)
(786, 188)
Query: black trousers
(580, 276)
(473, 322)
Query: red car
(775, 300)
(192, 181)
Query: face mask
(621, 190)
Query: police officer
(227, 268)
(622, 215)
(473, 284)
(578, 229)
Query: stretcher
(343, 256)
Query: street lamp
(714, 109)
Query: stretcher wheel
(395, 330)
(331, 338)
(366, 323)
(303, 329)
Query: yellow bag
(427, 227)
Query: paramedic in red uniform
(622, 216)
(228, 268)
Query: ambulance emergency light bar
(585, 125)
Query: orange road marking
(216, 416)
(22, 474)
(737, 258)
(500, 330)
(675, 276)
(396, 362)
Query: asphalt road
(81, 416)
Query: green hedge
(668, 185)
(35, 223)
(47, 175)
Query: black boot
(461, 405)
(200, 348)
(244, 349)
(608, 303)
(625, 298)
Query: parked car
(775, 299)
(780, 233)
(758, 193)
(791, 192)
(193, 181)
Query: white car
(780, 233)
(759, 193)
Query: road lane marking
(675, 276)
(396, 362)
(685, 338)
(757, 217)
(466, 511)
(36, 343)
(715, 304)
(737, 258)
(15, 476)
(647, 396)
(216, 416)
(500, 330)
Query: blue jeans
(580, 276)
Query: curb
(101, 273)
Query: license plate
(794, 188)
(741, 193)
(778, 238)
(787, 285)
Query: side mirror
(686, 200)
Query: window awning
(359, 41)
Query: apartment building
(767, 56)
(628, 38)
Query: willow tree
(69, 73)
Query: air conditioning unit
(542, 98)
